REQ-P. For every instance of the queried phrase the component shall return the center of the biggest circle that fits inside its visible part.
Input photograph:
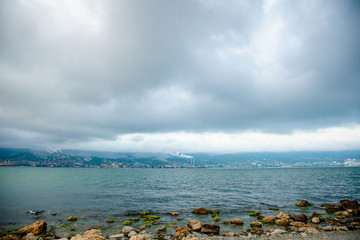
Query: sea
(97, 195)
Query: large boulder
(350, 205)
(200, 211)
(237, 222)
(195, 225)
(300, 217)
(35, 228)
(303, 203)
(210, 229)
(269, 219)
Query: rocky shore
(344, 224)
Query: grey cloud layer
(113, 67)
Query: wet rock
(254, 214)
(315, 220)
(311, 230)
(9, 237)
(162, 229)
(282, 222)
(174, 213)
(303, 203)
(213, 211)
(297, 224)
(327, 228)
(242, 234)
(200, 211)
(274, 208)
(299, 218)
(342, 214)
(210, 229)
(318, 215)
(182, 232)
(93, 234)
(229, 234)
(333, 209)
(237, 222)
(269, 219)
(71, 219)
(341, 228)
(35, 228)
(217, 219)
(348, 204)
(195, 225)
(155, 222)
(127, 222)
(138, 237)
(283, 215)
(117, 237)
(126, 230)
(256, 224)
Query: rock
(278, 231)
(127, 222)
(138, 237)
(155, 222)
(132, 233)
(162, 229)
(297, 224)
(117, 237)
(9, 237)
(303, 203)
(139, 228)
(30, 236)
(237, 222)
(311, 230)
(304, 235)
(342, 228)
(242, 234)
(327, 228)
(318, 215)
(92, 232)
(126, 230)
(348, 204)
(174, 213)
(254, 214)
(35, 228)
(274, 208)
(217, 219)
(269, 219)
(283, 215)
(144, 213)
(210, 229)
(71, 219)
(342, 214)
(315, 220)
(195, 225)
(332, 209)
(300, 217)
(213, 211)
(200, 211)
(182, 232)
(256, 224)
(282, 222)
(229, 234)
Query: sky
(188, 76)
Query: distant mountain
(80, 158)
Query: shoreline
(345, 225)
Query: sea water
(96, 195)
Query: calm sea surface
(96, 195)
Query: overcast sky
(191, 76)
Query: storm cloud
(75, 71)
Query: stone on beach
(269, 219)
(236, 221)
(30, 236)
(300, 217)
(297, 224)
(195, 225)
(35, 228)
(311, 230)
(138, 237)
(93, 234)
(71, 219)
(327, 228)
(229, 234)
(352, 205)
(283, 215)
(126, 230)
(117, 237)
(256, 224)
(182, 232)
(332, 209)
(210, 229)
(315, 220)
(282, 222)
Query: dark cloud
(97, 69)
